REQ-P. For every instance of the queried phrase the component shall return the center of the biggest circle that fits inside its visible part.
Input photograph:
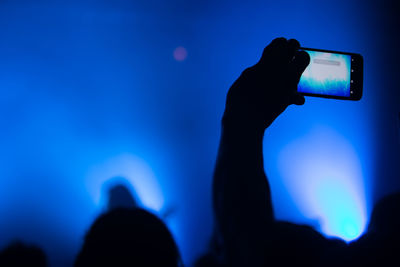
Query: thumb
(296, 68)
(299, 64)
(298, 99)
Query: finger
(293, 47)
(275, 50)
(299, 64)
(278, 42)
(298, 99)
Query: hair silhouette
(18, 254)
(128, 237)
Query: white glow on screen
(327, 74)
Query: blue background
(90, 90)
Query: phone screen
(327, 74)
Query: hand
(265, 90)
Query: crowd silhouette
(246, 231)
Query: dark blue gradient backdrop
(92, 90)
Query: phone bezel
(356, 76)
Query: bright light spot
(134, 170)
(323, 174)
(338, 205)
(180, 53)
(350, 230)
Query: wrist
(242, 127)
(243, 123)
(242, 140)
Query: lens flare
(180, 53)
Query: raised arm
(242, 198)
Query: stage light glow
(323, 174)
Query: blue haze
(90, 91)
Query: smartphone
(332, 74)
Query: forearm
(242, 199)
(240, 184)
(241, 194)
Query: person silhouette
(127, 234)
(128, 237)
(379, 246)
(241, 194)
(18, 254)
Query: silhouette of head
(128, 237)
(18, 254)
(119, 193)
(380, 245)
(119, 196)
(385, 218)
(293, 245)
